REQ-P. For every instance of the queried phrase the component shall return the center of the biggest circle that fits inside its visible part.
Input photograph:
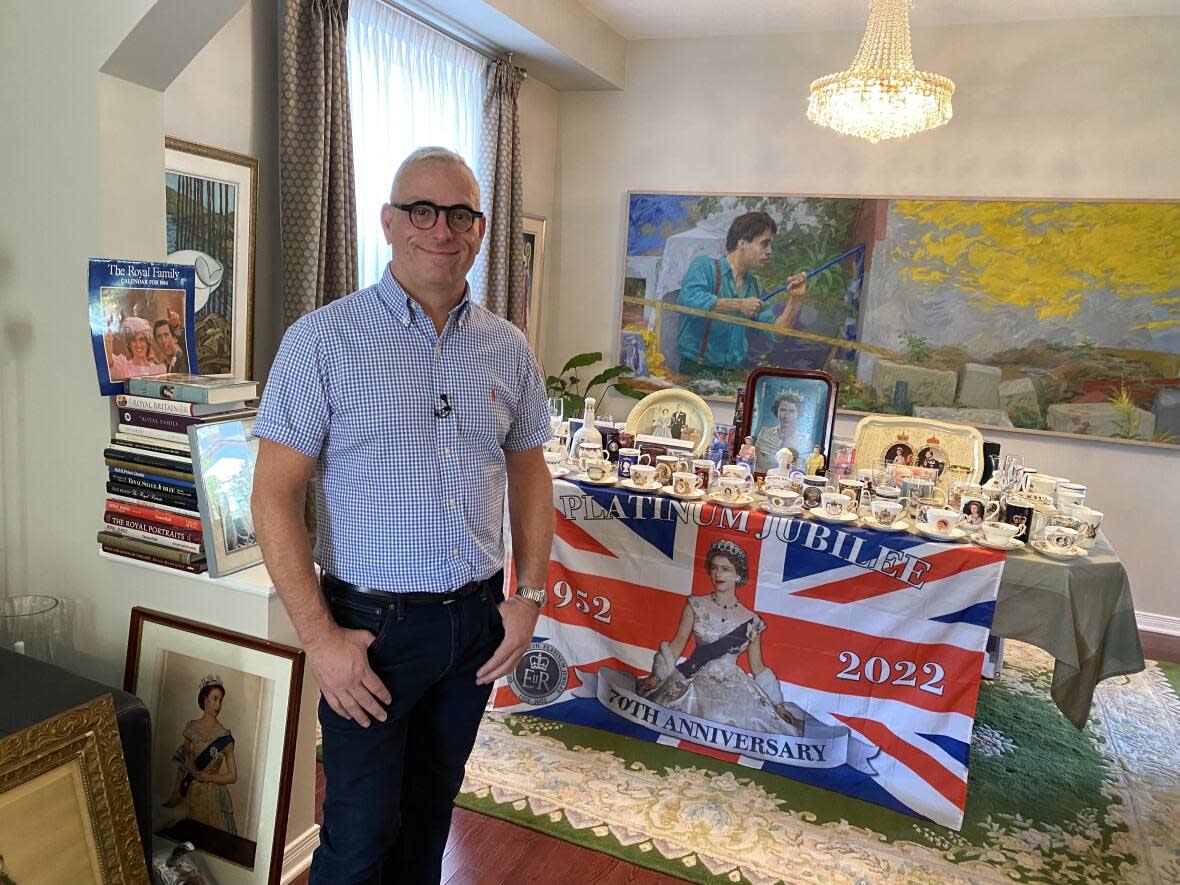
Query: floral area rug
(1045, 802)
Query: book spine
(150, 548)
(180, 438)
(178, 477)
(151, 537)
(184, 392)
(157, 515)
(164, 531)
(151, 444)
(155, 404)
(152, 484)
(197, 568)
(153, 496)
(166, 462)
(157, 421)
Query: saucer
(1011, 543)
(743, 501)
(609, 480)
(818, 513)
(1045, 549)
(797, 510)
(629, 483)
(694, 495)
(955, 534)
(898, 525)
(560, 471)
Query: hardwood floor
(487, 851)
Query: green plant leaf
(633, 392)
(582, 359)
(608, 375)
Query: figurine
(785, 458)
(816, 462)
(747, 453)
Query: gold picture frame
(533, 231)
(66, 813)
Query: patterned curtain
(316, 190)
(499, 179)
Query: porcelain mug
(1090, 520)
(1070, 495)
(666, 465)
(628, 458)
(884, 511)
(587, 452)
(853, 488)
(684, 483)
(1043, 484)
(977, 509)
(812, 487)
(1019, 512)
(706, 470)
(1060, 537)
(835, 503)
(924, 505)
(918, 489)
(643, 476)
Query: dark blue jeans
(390, 788)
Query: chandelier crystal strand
(882, 95)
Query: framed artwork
(141, 320)
(787, 408)
(225, 710)
(224, 454)
(1048, 315)
(211, 214)
(66, 813)
(534, 271)
(675, 418)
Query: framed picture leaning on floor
(225, 711)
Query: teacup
(738, 471)
(942, 519)
(999, 533)
(553, 458)
(776, 481)
(643, 476)
(1090, 519)
(1060, 537)
(1043, 484)
(961, 488)
(731, 488)
(782, 499)
(1070, 494)
(597, 469)
(919, 491)
(628, 458)
(587, 452)
(684, 483)
(835, 503)
(921, 508)
(884, 511)
(853, 488)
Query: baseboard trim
(1150, 623)
(297, 857)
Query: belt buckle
(449, 601)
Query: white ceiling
(656, 19)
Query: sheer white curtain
(409, 86)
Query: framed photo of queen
(788, 408)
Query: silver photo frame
(224, 454)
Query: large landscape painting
(1041, 315)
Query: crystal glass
(31, 625)
(556, 414)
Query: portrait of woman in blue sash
(205, 764)
(709, 683)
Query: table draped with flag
(846, 658)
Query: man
(728, 285)
(679, 421)
(414, 408)
(171, 353)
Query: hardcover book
(176, 407)
(152, 513)
(196, 568)
(141, 319)
(154, 496)
(206, 389)
(110, 539)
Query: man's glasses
(423, 215)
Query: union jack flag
(879, 636)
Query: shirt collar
(404, 308)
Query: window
(408, 86)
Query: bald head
(431, 154)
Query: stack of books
(151, 509)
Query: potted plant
(572, 390)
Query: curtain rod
(449, 28)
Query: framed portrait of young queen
(788, 408)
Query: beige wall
(1072, 110)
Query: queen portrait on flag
(709, 683)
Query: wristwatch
(532, 594)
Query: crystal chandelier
(882, 95)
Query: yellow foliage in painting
(1046, 256)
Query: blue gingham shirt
(406, 502)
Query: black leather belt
(333, 584)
